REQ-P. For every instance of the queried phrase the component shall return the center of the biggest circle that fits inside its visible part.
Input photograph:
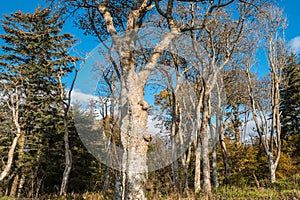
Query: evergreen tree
(290, 98)
(36, 55)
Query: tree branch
(102, 7)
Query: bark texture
(133, 127)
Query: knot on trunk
(147, 137)
(144, 105)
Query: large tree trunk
(272, 168)
(134, 116)
(134, 138)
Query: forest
(188, 99)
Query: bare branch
(102, 7)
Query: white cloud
(294, 44)
(79, 97)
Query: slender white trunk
(206, 164)
(68, 157)
(214, 166)
(205, 145)
(275, 130)
(197, 182)
(214, 138)
(11, 151)
(14, 107)
(68, 153)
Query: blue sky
(292, 10)
(86, 44)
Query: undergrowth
(283, 189)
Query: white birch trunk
(133, 137)
(272, 168)
(11, 151)
(205, 145)
(13, 104)
(214, 165)
(197, 182)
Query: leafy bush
(6, 198)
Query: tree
(120, 20)
(214, 47)
(66, 104)
(12, 98)
(290, 98)
(175, 105)
(265, 108)
(36, 56)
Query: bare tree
(65, 102)
(181, 113)
(214, 47)
(269, 128)
(134, 107)
(120, 21)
